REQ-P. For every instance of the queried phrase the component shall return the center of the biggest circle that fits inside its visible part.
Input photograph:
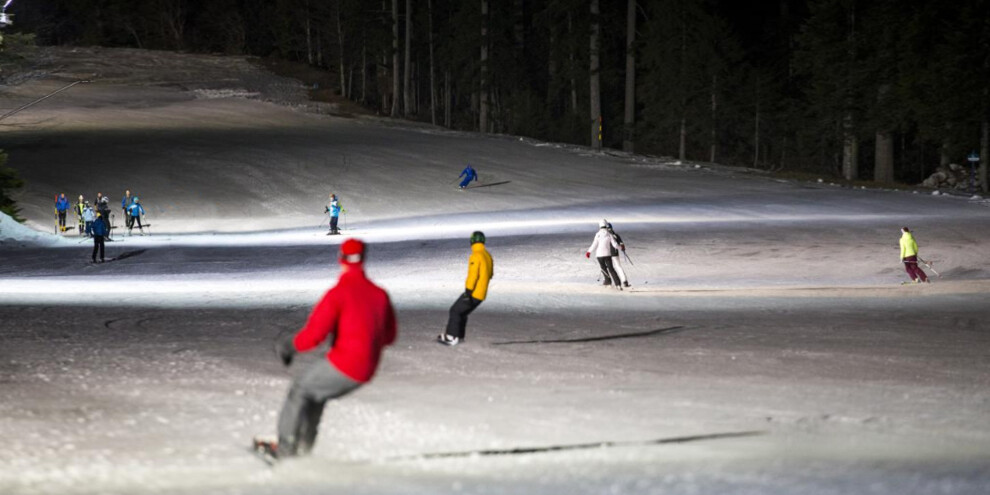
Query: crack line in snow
(658, 331)
(579, 446)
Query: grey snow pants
(300, 417)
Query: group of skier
(88, 214)
(94, 220)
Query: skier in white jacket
(602, 247)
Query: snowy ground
(767, 346)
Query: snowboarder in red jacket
(357, 317)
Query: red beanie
(352, 252)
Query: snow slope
(767, 345)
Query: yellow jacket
(908, 246)
(480, 271)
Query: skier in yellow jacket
(909, 256)
(480, 272)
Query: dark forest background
(881, 90)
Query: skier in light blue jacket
(135, 210)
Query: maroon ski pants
(913, 270)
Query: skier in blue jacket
(469, 174)
(136, 210)
(334, 209)
(61, 206)
(99, 232)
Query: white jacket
(602, 246)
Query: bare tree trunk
(483, 110)
(714, 136)
(319, 48)
(447, 99)
(850, 143)
(395, 58)
(850, 149)
(407, 75)
(682, 145)
(984, 154)
(594, 81)
(756, 128)
(573, 67)
(309, 40)
(551, 66)
(433, 83)
(944, 158)
(883, 164)
(629, 122)
(364, 71)
(340, 45)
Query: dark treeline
(867, 89)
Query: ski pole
(930, 265)
(627, 258)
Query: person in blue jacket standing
(61, 206)
(99, 232)
(136, 210)
(469, 174)
(333, 208)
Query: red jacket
(361, 315)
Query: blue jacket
(335, 208)
(135, 209)
(62, 204)
(100, 227)
(470, 173)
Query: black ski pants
(61, 221)
(605, 262)
(333, 224)
(98, 245)
(300, 417)
(459, 311)
(128, 220)
(133, 221)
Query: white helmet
(603, 224)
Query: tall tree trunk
(340, 45)
(573, 65)
(433, 83)
(629, 122)
(850, 142)
(395, 58)
(364, 70)
(448, 99)
(407, 76)
(850, 149)
(483, 110)
(551, 66)
(883, 165)
(756, 127)
(682, 144)
(309, 41)
(984, 153)
(594, 81)
(713, 144)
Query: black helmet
(477, 236)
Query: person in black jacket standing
(616, 258)
(99, 231)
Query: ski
(265, 450)
(931, 266)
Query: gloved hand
(468, 292)
(622, 247)
(587, 255)
(284, 347)
(326, 209)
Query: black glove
(284, 348)
(468, 293)
(326, 209)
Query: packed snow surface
(766, 345)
